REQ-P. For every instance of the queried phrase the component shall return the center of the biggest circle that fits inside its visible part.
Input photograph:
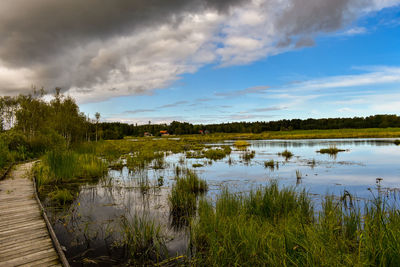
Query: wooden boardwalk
(24, 237)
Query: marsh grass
(248, 155)
(286, 154)
(298, 174)
(141, 159)
(332, 150)
(241, 144)
(143, 239)
(65, 166)
(269, 164)
(197, 165)
(217, 153)
(183, 197)
(273, 226)
(61, 196)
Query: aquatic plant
(298, 174)
(286, 154)
(197, 165)
(143, 239)
(248, 155)
(216, 154)
(269, 164)
(241, 144)
(332, 150)
(61, 196)
(183, 196)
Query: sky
(206, 61)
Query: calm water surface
(89, 228)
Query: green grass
(248, 155)
(60, 168)
(143, 240)
(241, 144)
(272, 226)
(286, 154)
(61, 196)
(217, 153)
(332, 150)
(197, 165)
(183, 197)
(269, 164)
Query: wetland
(148, 206)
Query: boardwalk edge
(53, 236)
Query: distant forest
(116, 130)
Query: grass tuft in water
(183, 197)
(241, 144)
(286, 154)
(269, 164)
(143, 239)
(332, 150)
(61, 196)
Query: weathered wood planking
(24, 237)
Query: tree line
(117, 130)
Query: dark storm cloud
(35, 31)
(105, 48)
(39, 34)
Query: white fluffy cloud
(96, 63)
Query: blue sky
(336, 77)
(203, 61)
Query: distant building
(164, 133)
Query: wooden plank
(20, 219)
(18, 204)
(49, 261)
(21, 209)
(30, 258)
(38, 235)
(26, 215)
(29, 224)
(25, 251)
(10, 233)
(28, 242)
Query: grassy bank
(302, 134)
(278, 227)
